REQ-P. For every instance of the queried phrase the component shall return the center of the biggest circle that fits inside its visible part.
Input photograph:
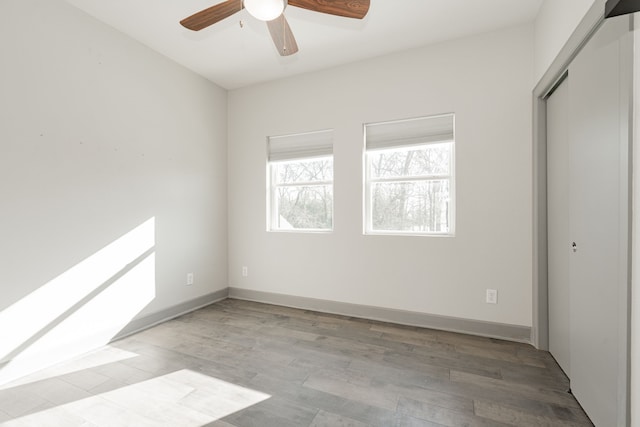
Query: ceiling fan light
(265, 10)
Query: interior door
(558, 240)
(596, 200)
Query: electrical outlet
(189, 279)
(492, 296)
(245, 271)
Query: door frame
(549, 81)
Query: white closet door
(559, 243)
(595, 212)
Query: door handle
(574, 247)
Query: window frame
(369, 180)
(296, 148)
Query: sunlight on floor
(81, 309)
(102, 356)
(183, 398)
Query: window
(300, 173)
(409, 182)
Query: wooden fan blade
(348, 8)
(282, 36)
(211, 15)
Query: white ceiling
(233, 57)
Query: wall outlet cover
(492, 296)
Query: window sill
(407, 234)
(301, 231)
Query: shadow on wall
(81, 309)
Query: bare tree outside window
(302, 194)
(410, 189)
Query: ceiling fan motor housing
(265, 10)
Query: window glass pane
(434, 159)
(304, 207)
(304, 171)
(417, 206)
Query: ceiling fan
(272, 11)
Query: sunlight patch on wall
(183, 398)
(81, 309)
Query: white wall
(98, 134)
(555, 22)
(486, 80)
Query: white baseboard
(150, 320)
(453, 324)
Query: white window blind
(406, 133)
(301, 146)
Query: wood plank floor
(241, 364)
